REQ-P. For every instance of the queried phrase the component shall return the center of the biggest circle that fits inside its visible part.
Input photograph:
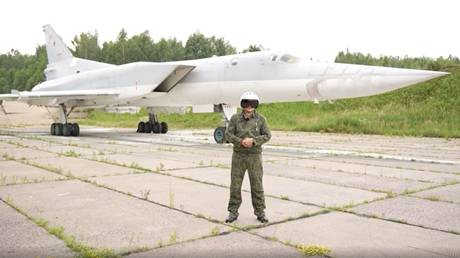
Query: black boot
(262, 218)
(231, 217)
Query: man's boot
(262, 218)
(231, 217)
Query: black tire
(59, 129)
(147, 127)
(164, 127)
(140, 127)
(67, 129)
(75, 130)
(53, 129)
(219, 134)
(156, 127)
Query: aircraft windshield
(288, 58)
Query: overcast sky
(307, 28)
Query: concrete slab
(116, 148)
(6, 145)
(200, 199)
(173, 154)
(450, 193)
(373, 170)
(26, 153)
(12, 172)
(20, 113)
(367, 182)
(422, 166)
(237, 245)
(22, 238)
(415, 211)
(103, 218)
(80, 167)
(348, 235)
(72, 150)
(298, 190)
(32, 143)
(144, 161)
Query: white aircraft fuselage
(216, 80)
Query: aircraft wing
(56, 97)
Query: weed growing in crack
(313, 250)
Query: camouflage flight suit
(247, 159)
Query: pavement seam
(398, 221)
(365, 173)
(396, 167)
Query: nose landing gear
(227, 112)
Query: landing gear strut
(63, 128)
(227, 112)
(153, 125)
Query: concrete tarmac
(146, 195)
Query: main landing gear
(63, 128)
(227, 112)
(153, 125)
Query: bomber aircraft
(207, 85)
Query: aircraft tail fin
(61, 62)
(55, 48)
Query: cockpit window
(288, 58)
(274, 57)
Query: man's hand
(247, 142)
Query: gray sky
(306, 28)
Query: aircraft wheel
(67, 129)
(156, 128)
(147, 127)
(59, 129)
(75, 130)
(140, 127)
(164, 127)
(219, 134)
(53, 129)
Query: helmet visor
(249, 102)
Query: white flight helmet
(249, 97)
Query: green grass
(313, 250)
(428, 109)
(176, 121)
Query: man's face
(248, 109)
(249, 105)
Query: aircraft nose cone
(394, 78)
(360, 81)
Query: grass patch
(314, 250)
(215, 231)
(188, 120)
(433, 198)
(71, 153)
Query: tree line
(21, 71)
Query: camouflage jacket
(254, 127)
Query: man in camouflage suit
(247, 131)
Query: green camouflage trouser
(252, 163)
